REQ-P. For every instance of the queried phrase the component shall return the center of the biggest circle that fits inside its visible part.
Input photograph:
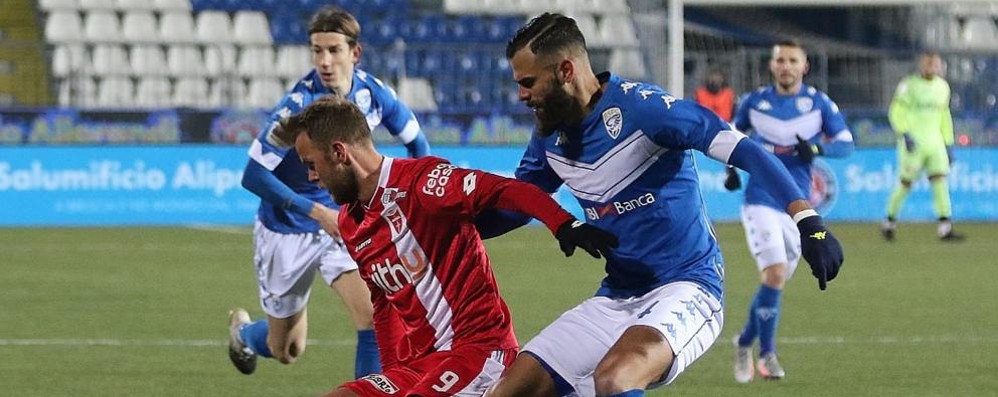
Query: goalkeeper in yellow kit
(920, 116)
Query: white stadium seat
(78, 91)
(91, 5)
(63, 27)
(128, 5)
(52, 5)
(115, 92)
(220, 59)
(185, 60)
(139, 27)
(228, 92)
(177, 27)
(418, 94)
(627, 62)
(618, 30)
(110, 60)
(980, 32)
(173, 5)
(256, 61)
(293, 61)
(148, 60)
(191, 92)
(154, 92)
(251, 27)
(102, 27)
(214, 27)
(587, 25)
(70, 59)
(263, 93)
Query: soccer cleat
(769, 367)
(946, 233)
(887, 228)
(744, 372)
(242, 357)
(952, 237)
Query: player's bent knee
(612, 379)
(775, 276)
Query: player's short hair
(332, 19)
(547, 34)
(329, 118)
(929, 54)
(792, 44)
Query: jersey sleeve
(266, 149)
(947, 120)
(897, 114)
(534, 167)
(741, 120)
(445, 188)
(683, 124)
(395, 115)
(839, 140)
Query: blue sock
(254, 335)
(367, 361)
(768, 313)
(751, 329)
(630, 393)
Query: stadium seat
(91, 5)
(418, 94)
(250, 28)
(148, 60)
(130, 5)
(185, 60)
(177, 27)
(220, 59)
(154, 92)
(294, 61)
(589, 29)
(102, 27)
(78, 91)
(618, 31)
(53, 5)
(980, 33)
(173, 5)
(288, 28)
(115, 92)
(190, 92)
(228, 92)
(263, 93)
(110, 60)
(463, 6)
(628, 63)
(139, 27)
(69, 60)
(256, 61)
(63, 27)
(214, 27)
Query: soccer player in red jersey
(441, 326)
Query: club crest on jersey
(382, 383)
(395, 220)
(363, 100)
(391, 195)
(614, 121)
(804, 104)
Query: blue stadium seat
(201, 5)
(467, 29)
(288, 28)
(382, 32)
(468, 63)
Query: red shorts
(465, 371)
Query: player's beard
(343, 185)
(557, 108)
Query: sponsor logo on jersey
(382, 383)
(646, 93)
(298, 98)
(804, 104)
(627, 86)
(764, 106)
(391, 195)
(284, 113)
(437, 179)
(362, 245)
(617, 208)
(669, 100)
(363, 100)
(613, 120)
(392, 277)
(824, 187)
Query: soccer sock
(940, 198)
(630, 393)
(367, 361)
(896, 201)
(254, 335)
(751, 329)
(768, 313)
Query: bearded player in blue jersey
(796, 122)
(623, 149)
(296, 232)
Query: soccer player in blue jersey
(796, 122)
(296, 232)
(623, 148)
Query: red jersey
(416, 246)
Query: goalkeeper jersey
(921, 109)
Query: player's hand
(595, 241)
(909, 142)
(806, 150)
(949, 154)
(820, 248)
(733, 181)
(328, 221)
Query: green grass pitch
(142, 311)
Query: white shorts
(688, 317)
(286, 265)
(772, 237)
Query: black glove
(820, 248)
(594, 240)
(909, 142)
(806, 150)
(949, 154)
(732, 182)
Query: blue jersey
(630, 167)
(375, 99)
(775, 121)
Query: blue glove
(820, 248)
(806, 150)
(909, 142)
(732, 182)
(949, 154)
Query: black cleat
(242, 357)
(887, 228)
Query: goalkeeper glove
(594, 240)
(819, 247)
(909, 142)
(807, 150)
(732, 182)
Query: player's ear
(566, 71)
(338, 151)
(356, 51)
(807, 66)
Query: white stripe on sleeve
(267, 160)
(723, 144)
(410, 132)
